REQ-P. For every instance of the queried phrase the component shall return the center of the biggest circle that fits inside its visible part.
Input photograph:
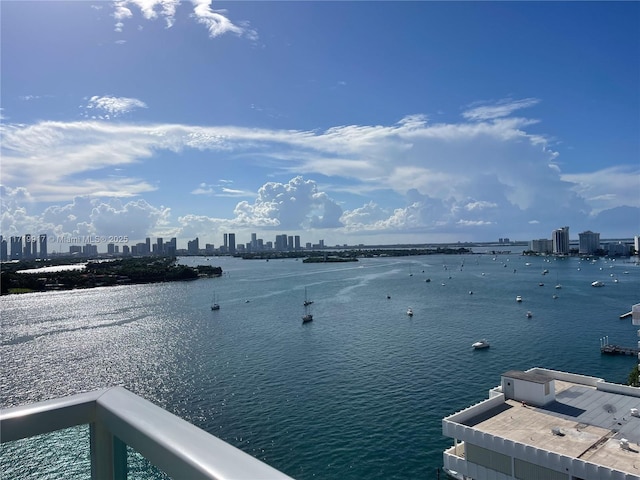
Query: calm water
(358, 393)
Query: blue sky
(351, 122)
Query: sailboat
(306, 302)
(214, 304)
(308, 316)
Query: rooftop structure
(547, 424)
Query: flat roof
(591, 424)
(528, 376)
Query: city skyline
(30, 246)
(430, 122)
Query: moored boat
(480, 344)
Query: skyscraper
(589, 242)
(4, 254)
(43, 246)
(232, 243)
(560, 239)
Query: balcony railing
(118, 418)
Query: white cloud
(215, 21)
(607, 188)
(85, 215)
(482, 174)
(502, 108)
(294, 205)
(113, 106)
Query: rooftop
(583, 422)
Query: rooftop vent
(624, 444)
(635, 412)
(557, 431)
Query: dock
(618, 350)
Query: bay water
(357, 393)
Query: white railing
(118, 418)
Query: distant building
(589, 243)
(542, 245)
(560, 239)
(636, 244)
(193, 246)
(126, 250)
(44, 253)
(290, 242)
(16, 248)
(281, 242)
(618, 249)
(111, 248)
(296, 242)
(29, 245)
(4, 253)
(232, 243)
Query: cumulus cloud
(484, 173)
(293, 205)
(84, 215)
(111, 107)
(216, 21)
(607, 188)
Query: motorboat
(518, 298)
(410, 311)
(480, 344)
(597, 283)
(529, 314)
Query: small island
(17, 278)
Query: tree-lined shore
(91, 274)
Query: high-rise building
(254, 242)
(28, 246)
(225, 242)
(296, 242)
(542, 245)
(193, 246)
(281, 242)
(43, 246)
(547, 424)
(588, 243)
(560, 239)
(4, 253)
(16, 248)
(232, 243)
(290, 242)
(147, 243)
(636, 244)
(160, 243)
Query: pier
(610, 349)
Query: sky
(350, 122)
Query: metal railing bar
(179, 448)
(47, 416)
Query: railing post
(108, 454)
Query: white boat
(308, 316)
(410, 311)
(529, 314)
(518, 298)
(597, 283)
(480, 344)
